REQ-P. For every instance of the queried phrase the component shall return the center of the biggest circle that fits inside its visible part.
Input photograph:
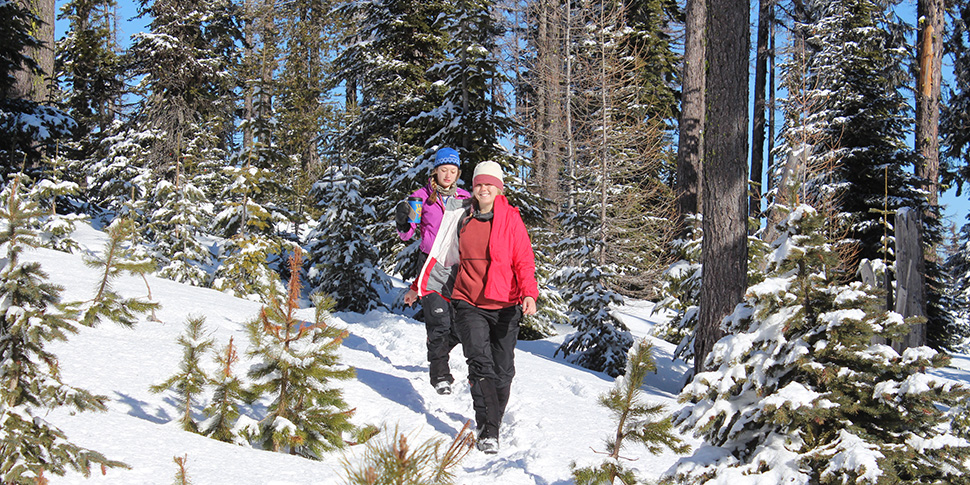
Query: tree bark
(910, 280)
(690, 145)
(30, 86)
(929, 49)
(725, 178)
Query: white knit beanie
(488, 173)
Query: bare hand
(528, 306)
(410, 297)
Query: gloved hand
(401, 216)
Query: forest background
(270, 126)
(777, 148)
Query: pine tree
(177, 222)
(118, 258)
(344, 262)
(601, 340)
(394, 461)
(191, 379)
(297, 360)
(390, 47)
(798, 392)
(54, 191)
(89, 65)
(223, 411)
(31, 449)
(636, 421)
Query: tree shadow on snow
(137, 409)
(359, 343)
(401, 391)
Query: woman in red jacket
(482, 259)
(495, 286)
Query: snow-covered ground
(553, 417)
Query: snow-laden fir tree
(178, 221)
(296, 362)
(31, 316)
(390, 47)
(190, 380)
(51, 192)
(798, 392)
(117, 258)
(343, 259)
(958, 268)
(601, 340)
(228, 394)
(249, 217)
(681, 286)
(636, 421)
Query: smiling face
(485, 194)
(446, 175)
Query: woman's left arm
(524, 263)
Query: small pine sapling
(223, 411)
(635, 421)
(116, 260)
(394, 461)
(30, 383)
(191, 379)
(296, 362)
(181, 475)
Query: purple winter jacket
(431, 215)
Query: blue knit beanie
(447, 156)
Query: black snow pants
(439, 318)
(488, 339)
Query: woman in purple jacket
(438, 312)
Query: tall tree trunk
(725, 179)
(690, 145)
(758, 125)
(929, 48)
(29, 86)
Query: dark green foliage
(31, 317)
(191, 379)
(296, 362)
(117, 259)
(636, 422)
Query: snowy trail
(553, 418)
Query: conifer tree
(191, 378)
(31, 316)
(296, 362)
(394, 461)
(89, 65)
(118, 258)
(179, 219)
(50, 192)
(385, 71)
(601, 340)
(798, 392)
(344, 262)
(251, 213)
(223, 411)
(636, 421)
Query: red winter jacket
(511, 270)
